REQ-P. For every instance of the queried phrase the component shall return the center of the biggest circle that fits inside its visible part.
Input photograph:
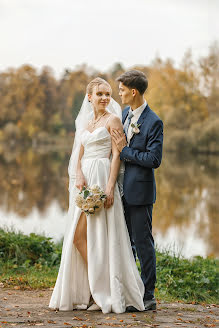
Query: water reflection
(34, 197)
(187, 205)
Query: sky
(67, 33)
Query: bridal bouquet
(90, 199)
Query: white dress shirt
(136, 114)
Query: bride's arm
(114, 123)
(80, 179)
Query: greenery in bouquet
(90, 199)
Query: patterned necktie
(128, 121)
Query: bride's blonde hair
(96, 82)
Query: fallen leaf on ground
(76, 318)
(17, 287)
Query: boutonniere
(135, 128)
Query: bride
(97, 261)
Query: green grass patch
(35, 277)
(195, 280)
(33, 261)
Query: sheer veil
(84, 116)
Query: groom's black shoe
(150, 304)
(131, 309)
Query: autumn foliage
(36, 105)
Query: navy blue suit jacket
(141, 157)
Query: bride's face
(100, 97)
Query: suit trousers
(139, 222)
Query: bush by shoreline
(32, 262)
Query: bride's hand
(80, 181)
(109, 196)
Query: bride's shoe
(94, 307)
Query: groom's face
(125, 93)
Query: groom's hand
(119, 139)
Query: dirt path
(30, 308)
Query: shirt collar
(140, 109)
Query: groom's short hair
(134, 79)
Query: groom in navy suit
(141, 151)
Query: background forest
(37, 108)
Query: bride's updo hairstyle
(96, 82)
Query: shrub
(19, 249)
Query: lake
(34, 198)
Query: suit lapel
(140, 122)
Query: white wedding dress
(111, 275)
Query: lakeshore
(32, 262)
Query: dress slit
(80, 236)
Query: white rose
(79, 201)
(95, 188)
(136, 130)
(96, 197)
(85, 207)
(91, 203)
(98, 203)
(91, 210)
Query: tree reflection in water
(187, 195)
(187, 191)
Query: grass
(195, 280)
(32, 262)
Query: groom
(141, 151)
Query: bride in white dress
(97, 260)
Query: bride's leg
(80, 238)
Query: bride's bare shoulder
(114, 122)
(114, 119)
